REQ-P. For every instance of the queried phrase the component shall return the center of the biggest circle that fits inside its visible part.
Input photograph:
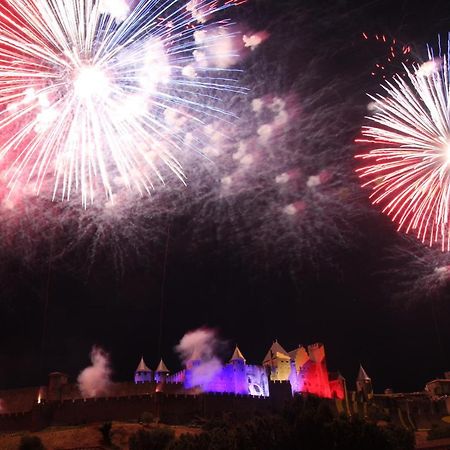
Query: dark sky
(348, 305)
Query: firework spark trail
(84, 92)
(276, 183)
(418, 272)
(127, 233)
(408, 156)
(283, 192)
(284, 186)
(390, 55)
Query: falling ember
(407, 161)
(85, 87)
(391, 55)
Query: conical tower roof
(237, 355)
(276, 351)
(162, 368)
(362, 375)
(142, 367)
(196, 355)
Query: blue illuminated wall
(143, 377)
(235, 377)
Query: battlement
(169, 408)
(316, 352)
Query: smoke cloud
(95, 379)
(201, 346)
(2, 406)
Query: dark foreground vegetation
(305, 424)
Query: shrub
(105, 430)
(31, 443)
(155, 439)
(147, 417)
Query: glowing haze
(407, 161)
(86, 87)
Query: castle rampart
(168, 408)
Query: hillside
(83, 437)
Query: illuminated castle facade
(304, 368)
(204, 388)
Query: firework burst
(408, 156)
(86, 88)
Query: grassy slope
(84, 436)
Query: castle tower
(364, 387)
(57, 381)
(142, 374)
(194, 360)
(338, 386)
(299, 356)
(318, 373)
(237, 355)
(278, 362)
(237, 361)
(192, 365)
(161, 372)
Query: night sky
(208, 273)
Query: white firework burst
(86, 87)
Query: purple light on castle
(236, 377)
(143, 374)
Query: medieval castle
(201, 391)
(304, 369)
(197, 390)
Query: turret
(161, 372)
(142, 374)
(364, 385)
(237, 356)
(192, 365)
(194, 360)
(237, 361)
